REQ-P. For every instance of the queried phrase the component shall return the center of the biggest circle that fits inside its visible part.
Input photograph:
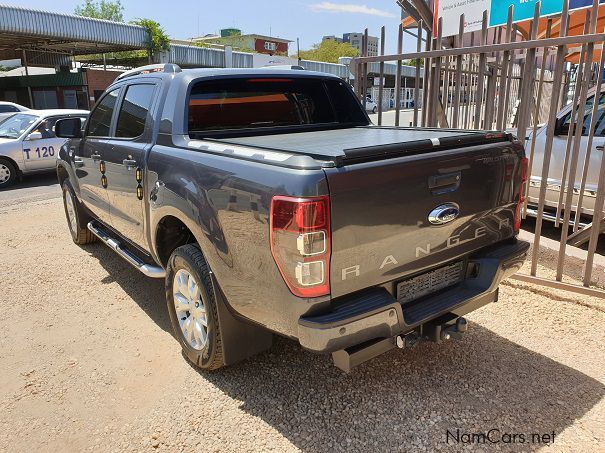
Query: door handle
(441, 184)
(95, 156)
(130, 163)
(600, 148)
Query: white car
(8, 108)
(371, 106)
(559, 147)
(28, 143)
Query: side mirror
(69, 128)
(35, 136)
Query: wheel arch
(170, 228)
(13, 162)
(65, 171)
(62, 174)
(169, 233)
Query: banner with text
(523, 10)
(450, 11)
(578, 4)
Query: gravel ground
(88, 363)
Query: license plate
(431, 282)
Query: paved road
(32, 188)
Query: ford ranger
(270, 204)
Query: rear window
(8, 108)
(269, 102)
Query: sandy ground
(87, 362)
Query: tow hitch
(437, 331)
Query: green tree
(109, 10)
(418, 62)
(329, 51)
(159, 38)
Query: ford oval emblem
(444, 214)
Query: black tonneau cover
(358, 144)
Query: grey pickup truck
(271, 205)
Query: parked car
(371, 106)
(8, 108)
(28, 143)
(559, 147)
(270, 204)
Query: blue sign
(577, 4)
(524, 9)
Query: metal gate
(521, 83)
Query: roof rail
(162, 67)
(294, 67)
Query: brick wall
(97, 81)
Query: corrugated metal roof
(339, 70)
(50, 59)
(43, 80)
(18, 22)
(204, 57)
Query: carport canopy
(36, 32)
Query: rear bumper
(375, 313)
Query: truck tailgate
(381, 231)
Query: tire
(204, 351)
(8, 173)
(77, 218)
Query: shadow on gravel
(401, 400)
(35, 180)
(410, 399)
(147, 292)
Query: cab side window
(587, 118)
(100, 119)
(47, 128)
(133, 111)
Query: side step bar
(533, 212)
(147, 269)
(582, 236)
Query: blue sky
(307, 20)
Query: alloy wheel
(190, 309)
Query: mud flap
(240, 339)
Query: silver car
(558, 160)
(28, 143)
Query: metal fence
(388, 97)
(521, 84)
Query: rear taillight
(524, 176)
(300, 243)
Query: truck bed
(363, 142)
